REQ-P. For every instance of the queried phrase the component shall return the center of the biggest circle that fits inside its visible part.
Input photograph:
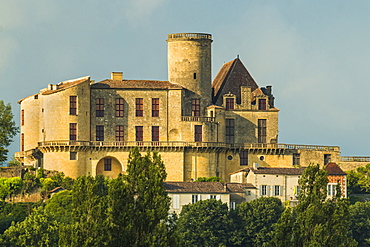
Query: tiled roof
(133, 84)
(334, 169)
(278, 170)
(230, 78)
(66, 84)
(205, 187)
(239, 187)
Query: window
(230, 137)
(119, 133)
(263, 190)
(232, 205)
(99, 132)
(195, 198)
(327, 158)
(230, 103)
(155, 107)
(36, 96)
(176, 201)
(195, 107)
(155, 133)
(139, 107)
(107, 164)
(212, 197)
(277, 190)
(297, 190)
(332, 189)
(243, 158)
(22, 117)
(195, 76)
(99, 107)
(120, 107)
(73, 155)
(22, 142)
(296, 159)
(262, 104)
(73, 131)
(198, 133)
(248, 193)
(72, 105)
(261, 130)
(139, 133)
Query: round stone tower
(189, 64)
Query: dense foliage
(8, 129)
(359, 180)
(132, 210)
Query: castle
(200, 127)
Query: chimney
(117, 76)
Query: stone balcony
(198, 119)
(60, 145)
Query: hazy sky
(315, 54)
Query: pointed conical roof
(229, 79)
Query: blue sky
(315, 54)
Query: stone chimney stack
(117, 76)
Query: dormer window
(230, 103)
(262, 104)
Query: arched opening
(109, 167)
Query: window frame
(139, 133)
(120, 107)
(262, 130)
(230, 130)
(120, 133)
(195, 107)
(107, 164)
(243, 155)
(230, 103)
(73, 105)
(262, 104)
(99, 107)
(73, 131)
(155, 107)
(139, 112)
(72, 155)
(198, 133)
(155, 133)
(22, 117)
(99, 133)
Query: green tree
(60, 207)
(204, 223)
(38, 229)
(8, 129)
(210, 179)
(253, 221)
(316, 220)
(10, 186)
(89, 227)
(360, 222)
(359, 180)
(145, 176)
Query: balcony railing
(197, 119)
(191, 144)
(354, 159)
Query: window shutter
(176, 201)
(260, 190)
(218, 197)
(268, 190)
(280, 190)
(199, 197)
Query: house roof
(206, 187)
(230, 78)
(135, 84)
(278, 170)
(66, 84)
(334, 169)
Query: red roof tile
(334, 169)
(279, 170)
(66, 84)
(135, 84)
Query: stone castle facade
(200, 127)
